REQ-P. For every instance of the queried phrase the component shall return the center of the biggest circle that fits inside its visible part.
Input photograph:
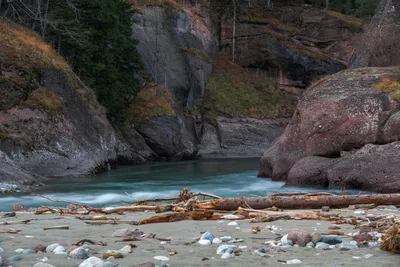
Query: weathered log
(299, 201)
(175, 217)
(112, 222)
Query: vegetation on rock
(389, 85)
(236, 91)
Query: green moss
(235, 91)
(3, 135)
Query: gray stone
(322, 245)
(15, 258)
(347, 246)
(51, 247)
(28, 251)
(42, 264)
(330, 239)
(80, 253)
(207, 236)
(92, 262)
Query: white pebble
(242, 247)
(284, 239)
(356, 257)
(162, 258)
(204, 242)
(367, 256)
(227, 255)
(216, 241)
(59, 250)
(233, 224)
(29, 236)
(92, 262)
(163, 242)
(295, 261)
(226, 238)
(237, 228)
(19, 250)
(44, 259)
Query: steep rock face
(238, 137)
(65, 141)
(295, 45)
(343, 113)
(386, 15)
(169, 137)
(177, 47)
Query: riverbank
(183, 236)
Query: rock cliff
(46, 127)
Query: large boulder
(238, 137)
(169, 137)
(327, 142)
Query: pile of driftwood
(189, 206)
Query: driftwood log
(306, 201)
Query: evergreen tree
(97, 38)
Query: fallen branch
(15, 222)
(113, 222)
(10, 231)
(83, 241)
(58, 227)
(300, 202)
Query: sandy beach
(182, 234)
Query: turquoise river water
(225, 178)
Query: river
(225, 178)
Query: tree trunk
(234, 31)
(299, 201)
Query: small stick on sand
(58, 227)
(11, 231)
(15, 222)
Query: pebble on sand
(294, 261)
(122, 233)
(40, 247)
(42, 264)
(92, 262)
(204, 242)
(80, 253)
(161, 258)
(233, 224)
(15, 258)
(299, 237)
(51, 247)
(207, 236)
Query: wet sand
(181, 233)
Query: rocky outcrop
(379, 45)
(68, 140)
(238, 137)
(295, 45)
(341, 131)
(169, 137)
(177, 45)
